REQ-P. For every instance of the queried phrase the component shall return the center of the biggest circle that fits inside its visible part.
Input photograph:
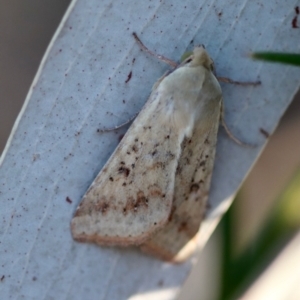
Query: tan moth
(153, 190)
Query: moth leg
(245, 83)
(158, 56)
(118, 126)
(236, 140)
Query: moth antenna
(245, 83)
(158, 56)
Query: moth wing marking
(175, 242)
(131, 198)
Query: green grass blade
(284, 58)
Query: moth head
(199, 57)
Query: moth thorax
(201, 58)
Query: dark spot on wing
(141, 200)
(202, 163)
(172, 213)
(183, 226)
(102, 206)
(178, 169)
(187, 161)
(88, 208)
(154, 152)
(125, 171)
(134, 205)
(194, 188)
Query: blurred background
(265, 216)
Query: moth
(153, 190)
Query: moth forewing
(175, 241)
(153, 190)
(132, 196)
